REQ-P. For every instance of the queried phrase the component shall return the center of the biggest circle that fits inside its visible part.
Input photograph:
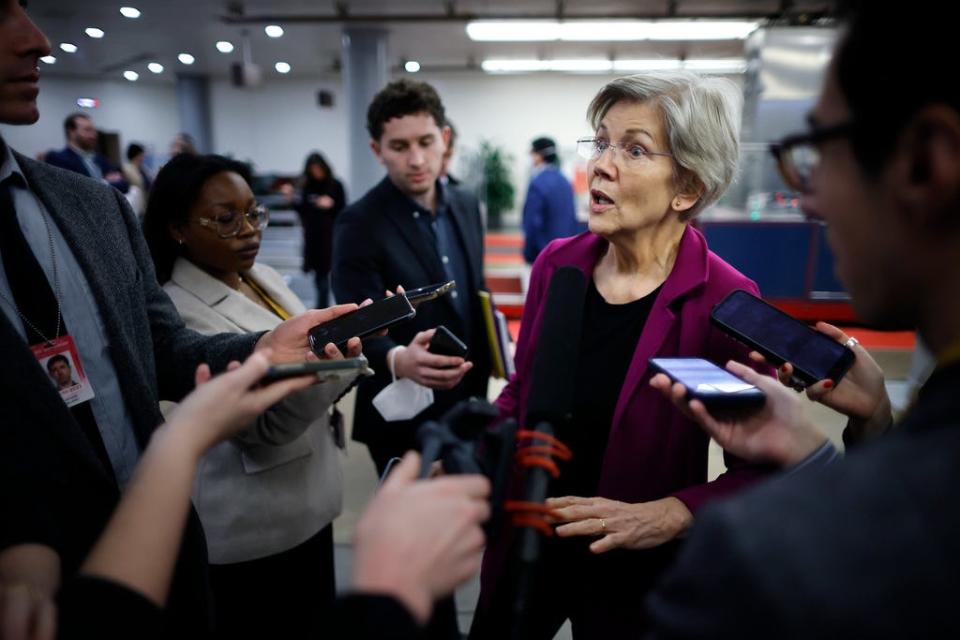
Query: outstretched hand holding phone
(861, 395)
(779, 432)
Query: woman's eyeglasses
(798, 156)
(593, 148)
(229, 225)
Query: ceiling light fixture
(608, 31)
(596, 65)
(273, 30)
(94, 32)
(130, 12)
(282, 67)
(68, 47)
(155, 67)
(186, 58)
(132, 76)
(224, 47)
(412, 66)
(48, 59)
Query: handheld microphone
(552, 388)
(549, 406)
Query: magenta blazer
(653, 450)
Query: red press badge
(61, 361)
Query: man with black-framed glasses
(864, 546)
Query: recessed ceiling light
(132, 76)
(94, 32)
(273, 30)
(48, 59)
(68, 47)
(186, 58)
(412, 66)
(605, 31)
(155, 67)
(282, 67)
(224, 47)
(130, 12)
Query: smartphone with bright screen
(380, 315)
(716, 388)
(782, 338)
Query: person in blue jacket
(548, 212)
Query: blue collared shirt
(82, 317)
(438, 228)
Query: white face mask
(402, 399)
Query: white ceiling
(311, 43)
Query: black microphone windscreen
(551, 392)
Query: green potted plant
(497, 190)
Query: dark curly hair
(175, 190)
(403, 98)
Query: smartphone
(294, 369)
(782, 338)
(430, 292)
(445, 343)
(361, 323)
(716, 388)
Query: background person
(268, 496)
(549, 211)
(409, 230)
(639, 469)
(322, 198)
(81, 155)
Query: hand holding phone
(716, 388)
(429, 369)
(445, 343)
(361, 323)
(781, 338)
(778, 432)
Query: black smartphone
(430, 292)
(782, 338)
(445, 343)
(294, 369)
(716, 388)
(361, 323)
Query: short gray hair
(702, 117)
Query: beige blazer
(279, 483)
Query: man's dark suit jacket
(70, 160)
(53, 488)
(379, 245)
(866, 548)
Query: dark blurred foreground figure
(321, 198)
(866, 546)
(124, 584)
(77, 280)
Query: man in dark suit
(412, 231)
(867, 546)
(81, 156)
(74, 268)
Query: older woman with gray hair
(665, 147)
